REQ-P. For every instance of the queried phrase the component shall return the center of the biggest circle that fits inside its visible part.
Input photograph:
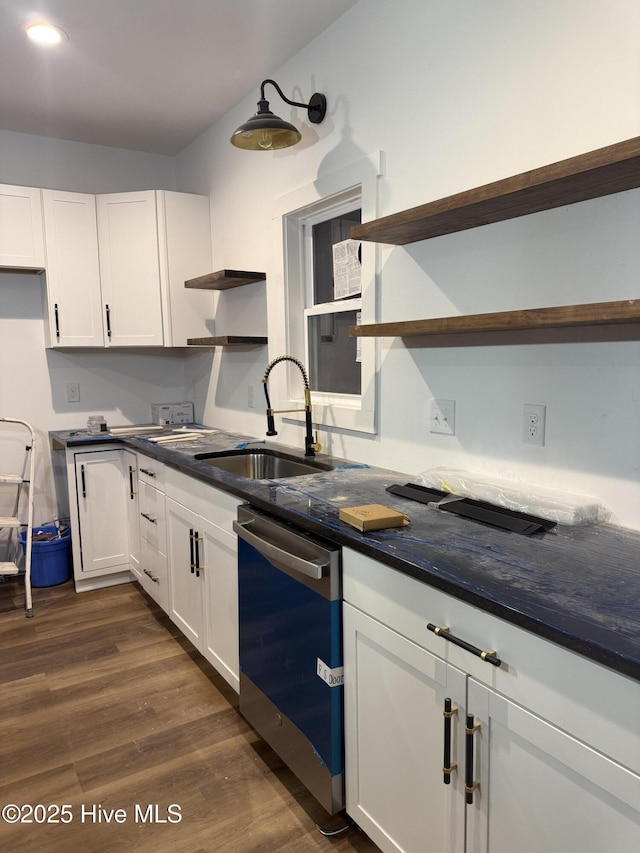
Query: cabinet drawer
(153, 574)
(153, 523)
(151, 471)
(594, 703)
(212, 504)
(151, 501)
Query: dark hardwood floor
(105, 706)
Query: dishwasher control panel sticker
(333, 677)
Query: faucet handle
(316, 446)
(271, 427)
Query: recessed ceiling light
(43, 33)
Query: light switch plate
(442, 416)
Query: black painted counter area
(576, 586)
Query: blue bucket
(50, 558)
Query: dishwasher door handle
(315, 569)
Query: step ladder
(22, 486)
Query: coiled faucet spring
(310, 446)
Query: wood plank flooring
(104, 706)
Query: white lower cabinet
(131, 470)
(394, 700)
(153, 575)
(99, 481)
(151, 516)
(553, 763)
(186, 545)
(203, 572)
(547, 791)
(152, 525)
(132, 516)
(221, 634)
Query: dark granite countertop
(576, 586)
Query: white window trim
(287, 329)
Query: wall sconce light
(264, 131)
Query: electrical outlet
(73, 392)
(250, 398)
(442, 416)
(534, 418)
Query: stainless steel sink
(262, 464)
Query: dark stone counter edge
(594, 651)
(250, 491)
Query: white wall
(120, 386)
(38, 161)
(457, 94)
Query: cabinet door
(73, 296)
(544, 790)
(101, 486)
(21, 234)
(185, 252)
(394, 740)
(130, 269)
(186, 585)
(221, 602)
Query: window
(342, 369)
(331, 355)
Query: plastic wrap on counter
(561, 507)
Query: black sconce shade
(265, 131)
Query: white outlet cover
(442, 416)
(73, 392)
(534, 418)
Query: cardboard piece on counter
(373, 517)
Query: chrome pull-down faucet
(311, 447)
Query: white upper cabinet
(115, 264)
(21, 234)
(73, 301)
(184, 235)
(130, 268)
(150, 242)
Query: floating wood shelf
(591, 314)
(612, 169)
(224, 279)
(228, 341)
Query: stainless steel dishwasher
(291, 676)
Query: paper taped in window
(347, 269)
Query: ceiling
(147, 75)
